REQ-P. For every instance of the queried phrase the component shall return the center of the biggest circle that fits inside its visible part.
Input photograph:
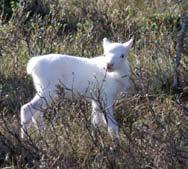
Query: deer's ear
(128, 44)
(105, 42)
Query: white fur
(99, 79)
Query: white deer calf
(100, 79)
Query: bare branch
(179, 50)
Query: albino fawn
(83, 76)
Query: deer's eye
(122, 56)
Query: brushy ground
(152, 119)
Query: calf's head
(115, 54)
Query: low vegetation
(152, 118)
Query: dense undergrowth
(152, 119)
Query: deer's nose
(109, 66)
